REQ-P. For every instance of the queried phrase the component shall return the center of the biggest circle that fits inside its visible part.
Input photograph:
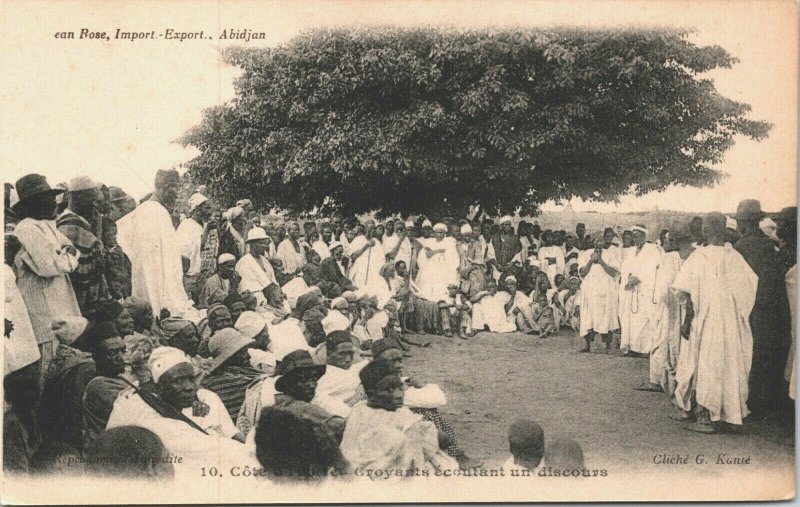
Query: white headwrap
(335, 244)
(440, 227)
(427, 223)
(639, 228)
(409, 224)
(241, 203)
(505, 219)
(164, 358)
(466, 229)
(196, 200)
(226, 257)
(511, 279)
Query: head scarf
(505, 220)
(140, 310)
(440, 227)
(164, 358)
(172, 326)
(466, 229)
(196, 200)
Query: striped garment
(230, 384)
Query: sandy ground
(493, 379)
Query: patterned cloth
(230, 384)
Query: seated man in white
(254, 267)
(191, 422)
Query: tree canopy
(422, 120)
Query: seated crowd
(233, 336)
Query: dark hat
(296, 360)
(382, 345)
(788, 214)
(749, 209)
(99, 332)
(117, 194)
(335, 338)
(31, 185)
(374, 372)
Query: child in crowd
(526, 443)
(454, 313)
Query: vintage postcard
(414, 251)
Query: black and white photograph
(413, 251)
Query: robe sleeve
(428, 396)
(40, 254)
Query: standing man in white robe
(149, 239)
(599, 302)
(254, 267)
(397, 246)
(719, 289)
(438, 263)
(638, 311)
(551, 256)
(291, 251)
(366, 260)
(671, 314)
(190, 241)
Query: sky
(113, 109)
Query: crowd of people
(228, 334)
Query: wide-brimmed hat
(749, 209)
(225, 344)
(31, 185)
(297, 360)
(256, 233)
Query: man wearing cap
(599, 300)
(225, 281)
(231, 371)
(332, 270)
(719, 291)
(666, 350)
(42, 264)
(472, 268)
(121, 204)
(638, 309)
(232, 237)
(190, 239)
(149, 238)
(769, 320)
(382, 433)
(191, 422)
(81, 223)
(254, 267)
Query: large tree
(421, 120)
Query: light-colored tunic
(256, 275)
(638, 311)
(291, 258)
(365, 271)
(149, 239)
(190, 236)
(441, 270)
(403, 253)
(322, 249)
(379, 439)
(556, 253)
(671, 314)
(598, 296)
(42, 266)
(718, 358)
(490, 311)
(19, 347)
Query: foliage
(421, 120)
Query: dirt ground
(492, 379)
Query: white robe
(322, 249)
(148, 238)
(667, 338)
(403, 253)
(291, 258)
(365, 271)
(441, 270)
(490, 311)
(190, 236)
(598, 296)
(791, 290)
(19, 347)
(638, 311)
(551, 252)
(377, 439)
(254, 277)
(719, 354)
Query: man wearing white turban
(438, 263)
(232, 240)
(190, 239)
(472, 262)
(191, 422)
(367, 258)
(397, 246)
